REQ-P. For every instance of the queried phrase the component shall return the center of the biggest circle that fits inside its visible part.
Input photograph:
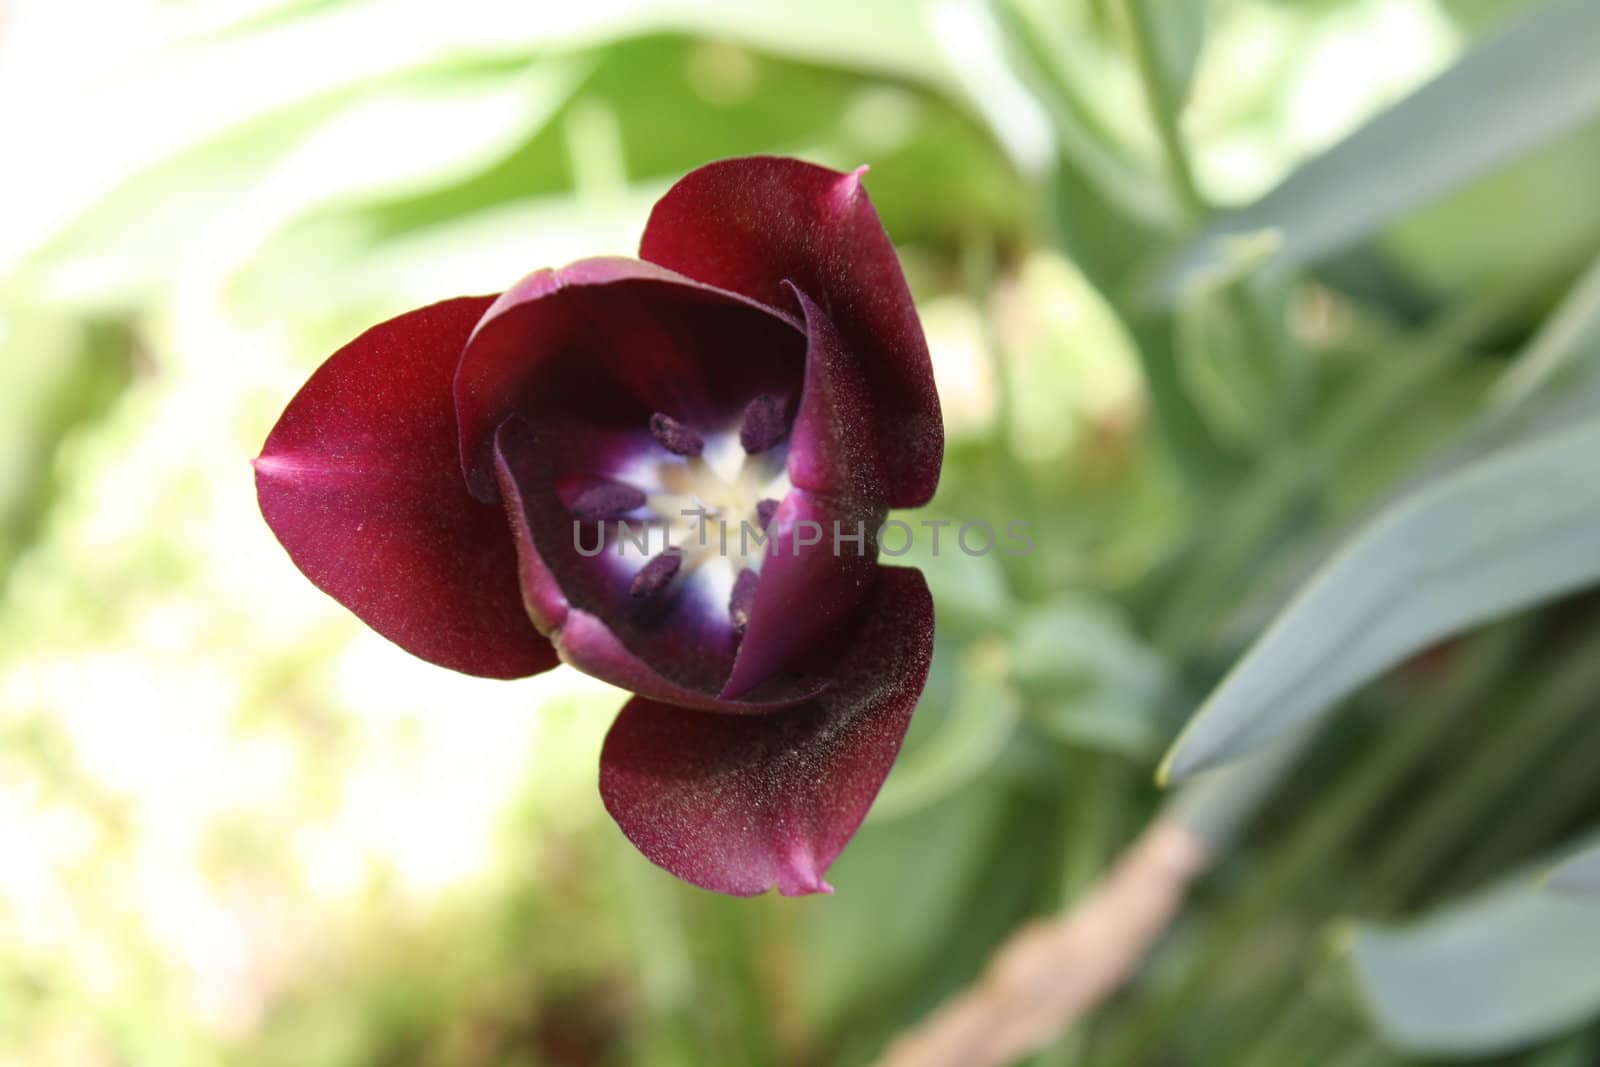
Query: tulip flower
(669, 473)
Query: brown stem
(1055, 971)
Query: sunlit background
(237, 827)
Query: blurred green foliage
(1202, 306)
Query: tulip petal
(831, 448)
(815, 576)
(603, 344)
(807, 591)
(749, 225)
(739, 804)
(361, 482)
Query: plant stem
(1164, 108)
(1093, 810)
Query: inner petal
(608, 343)
(645, 504)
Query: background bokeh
(236, 827)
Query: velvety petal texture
(569, 472)
(750, 225)
(606, 343)
(819, 569)
(361, 482)
(823, 558)
(834, 448)
(740, 804)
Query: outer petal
(361, 482)
(751, 224)
(738, 804)
(603, 343)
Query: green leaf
(1568, 345)
(1219, 805)
(1098, 686)
(1180, 32)
(198, 84)
(1502, 532)
(1108, 228)
(211, 209)
(1579, 875)
(421, 133)
(974, 732)
(904, 928)
(1526, 86)
(1498, 972)
(971, 591)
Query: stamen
(674, 436)
(654, 575)
(762, 426)
(743, 598)
(606, 501)
(764, 512)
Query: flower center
(707, 500)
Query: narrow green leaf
(1580, 875)
(905, 930)
(1503, 532)
(971, 591)
(985, 710)
(1180, 32)
(1220, 804)
(415, 135)
(1108, 218)
(1083, 142)
(1531, 83)
(199, 84)
(1095, 684)
(1163, 98)
(1569, 343)
(1503, 970)
(1196, 449)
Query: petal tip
(847, 188)
(798, 874)
(360, 481)
(268, 465)
(538, 283)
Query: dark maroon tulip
(639, 467)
